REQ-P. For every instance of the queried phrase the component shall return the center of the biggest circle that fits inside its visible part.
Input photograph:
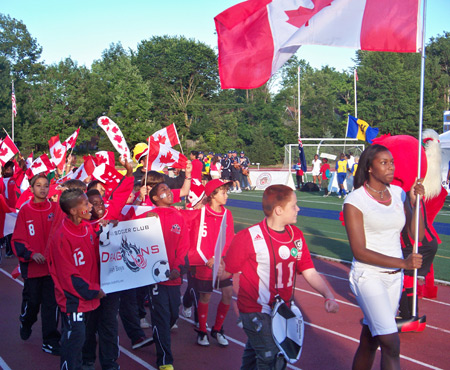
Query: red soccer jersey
(31, 234)
(200, 254)
(267, 264)
(323, 170)
(74, 267)
(175, 238)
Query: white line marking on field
(4, 365)
(137, 359)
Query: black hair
(75, 184)
(70, 199)
(93, 192)
(93, 184)
(36, 177)
(154, 191)
(194, 153)
(365, 162)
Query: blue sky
(83, 29)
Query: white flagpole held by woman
(419, 157)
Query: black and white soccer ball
(161, 271)
(288, 330)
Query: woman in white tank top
(375, 214)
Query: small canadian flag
(57, 152)
(39, 165)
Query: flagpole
(419, 156)
(12, 112)
(356, 98)
(146, 166)
(299, 119)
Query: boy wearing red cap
(205, 226)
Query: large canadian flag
(7, 150)
(115, 136)
(105, 157)
(166, 136)
(257, 37)
(58, 152)
(161, 156)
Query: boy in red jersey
(204, 231)
(323, 170)
(268, 255)
(165, 297)
(29, 241)
(74, 267)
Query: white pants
(378, 296)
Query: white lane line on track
(238, 342)
(4, 365)
(137, 359)
(148, 366)
(357, 341)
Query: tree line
(175, 80)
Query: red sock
(222, 310)
(408, 281)
(202, 310)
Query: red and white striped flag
(115, 136)
(161, 156)
(256, 37)
(166, 136)
(7, 150)
(13, 100)
(70, 142)
(39, 165)
(58, 152)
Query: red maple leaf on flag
(57, 153)
(161, 139)
(101, 159)
(119, 146)
(36, 165)
(115, 129)
(71, 142)
(105, 121)
(301, 16)
(168, 158)
(3, 151)
(118, 138)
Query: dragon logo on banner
(132, 255)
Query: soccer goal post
(330, 148)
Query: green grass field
(328, 237)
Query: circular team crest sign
(264, 180)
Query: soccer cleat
(174, 326)
(422, 323)
(202, 338)
(339, 197)
(144, 323)
(166, 367)
(345, 196)
(239, 323)
(142, 342)
(238, 191)
(53, 350)
(220, 337)
(25, 331)
(187, 311)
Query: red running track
(330, 339)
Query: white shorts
(378, 296)
(316, 173)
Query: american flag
(13, 99)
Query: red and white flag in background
(82, 173)
(257, 37)
(39, 165)
(58, 152)
(29, 160)
(13, 101)
(131, 212)
(105, 157)
(356, 75)
(161, 156)
(115, 136)
(108, 175)
(71, 140)
(7, 150)
(166, 136)
(8, 217)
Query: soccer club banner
(132, 254)
(263, 179)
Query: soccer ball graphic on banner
(288, 330)
(161, 271)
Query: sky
(82, 30)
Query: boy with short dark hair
(74, 267)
